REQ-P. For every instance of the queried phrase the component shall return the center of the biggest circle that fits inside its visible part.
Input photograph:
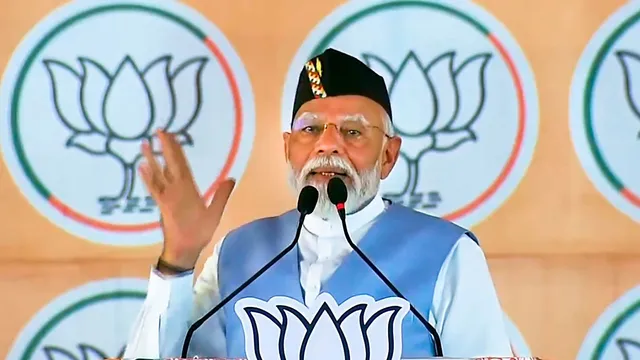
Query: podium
(432, 358)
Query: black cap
(334, 73)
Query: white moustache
(329, 162)
(361, 188)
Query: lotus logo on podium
(359, 328)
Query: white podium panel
(432, 358)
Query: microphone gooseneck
(307, 201)
(337, 192)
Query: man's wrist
(168, 268)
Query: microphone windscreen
(337, 191)
(307, 199)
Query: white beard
(363, 188)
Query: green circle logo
(466, 97)
(616, 334)
(605, 110)
(91, 83)
(90, 322)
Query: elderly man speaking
(341, 127)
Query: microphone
(337, 192)
(307, 201)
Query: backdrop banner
(519, 120)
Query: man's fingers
(156, 170)
(175, 159)
(153, 185)
(151, 171)
(220, 198)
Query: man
(341, 126)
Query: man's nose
(330, 141)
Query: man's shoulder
(419, 219)
(263, 222)
(410, 214)
(260, 226)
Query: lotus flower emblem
(358, 329)
(110, 114)
(630, 349)
(438, 104)
(83, 352)
(630, 62)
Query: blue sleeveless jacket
(409, 248)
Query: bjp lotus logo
(630, 349)
(83, 352)
(630, 62)
(110, 114)
(359, 328)
(450, 95)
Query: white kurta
(465, 310)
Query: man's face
(340, 136)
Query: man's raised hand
(188, 223)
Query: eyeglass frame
(350, 117)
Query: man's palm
(187, 222)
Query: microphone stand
(306, 204)
(337, 191)
(434, 333)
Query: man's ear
(285, 139)
(390, 154)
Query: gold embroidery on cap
(314, 72)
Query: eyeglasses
(354, 130)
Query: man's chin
(325, 209)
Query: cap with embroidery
(334, 73)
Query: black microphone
(337, 192)
(306, 203)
